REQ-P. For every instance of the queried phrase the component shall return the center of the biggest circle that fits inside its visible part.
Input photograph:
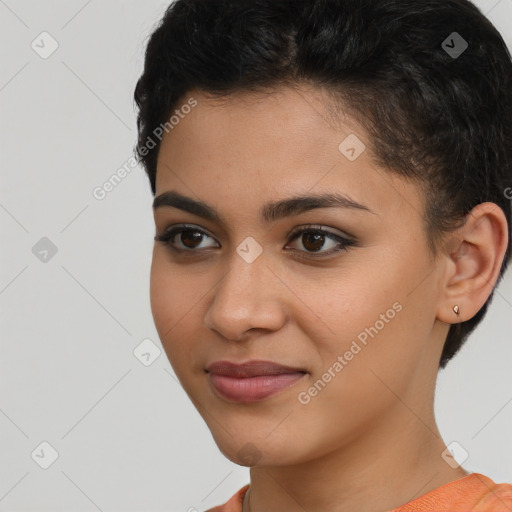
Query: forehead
(304, 112)
(274, 144)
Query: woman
(332, 219)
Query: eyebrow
(270, 212)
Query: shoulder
(496, 496)
(234, 504)
(474, 492)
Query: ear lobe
(474, 259)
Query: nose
(250, 296)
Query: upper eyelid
(322, 228)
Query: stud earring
(456, 310)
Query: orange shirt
(472, 493)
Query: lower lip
(252, 389)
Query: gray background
(126, 435)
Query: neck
(395, 461)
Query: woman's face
(358, 320)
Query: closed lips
(250, 369)
(251, 381)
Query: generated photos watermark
(101, 192)
(304, 397)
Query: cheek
(161, 292)
(170, 303)
(367, 317)
(172, 293)
(350, 303)
(176, 305)
(370, 341)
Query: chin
(256, 450)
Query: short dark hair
(441, 118)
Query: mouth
(251, 381)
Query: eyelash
(344, 243)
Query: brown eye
(313, 239)
(189, 238)
(313, 242)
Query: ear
(473, 255)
